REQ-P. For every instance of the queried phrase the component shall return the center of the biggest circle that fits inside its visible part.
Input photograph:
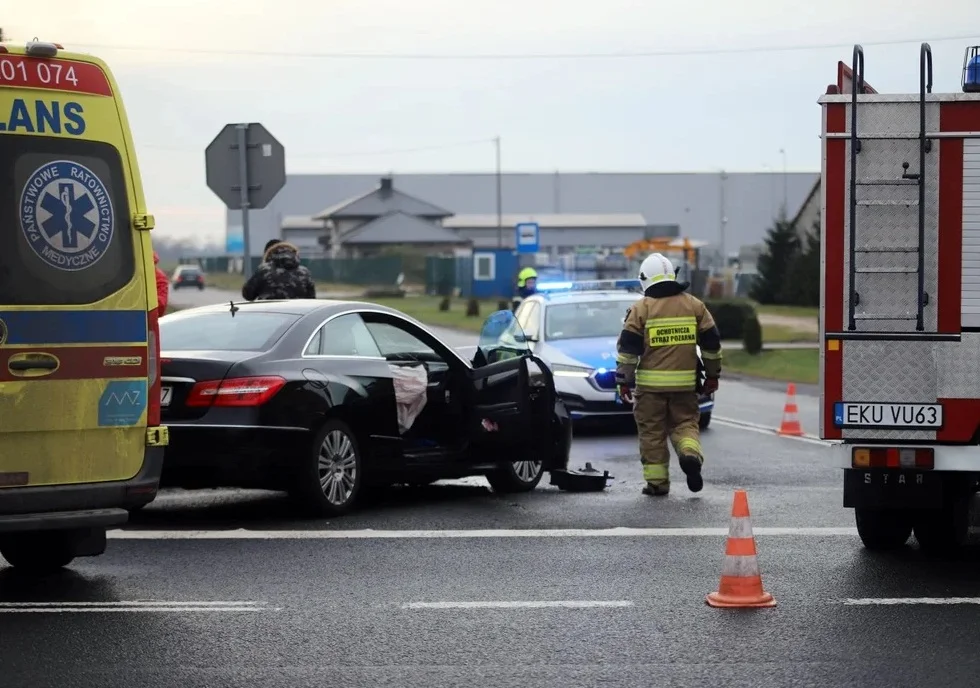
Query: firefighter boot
(661, 490)
(691, 465)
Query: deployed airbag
(410, 393)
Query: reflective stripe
(709, 356)
(689, 445)
(678, 331)
(655, 472)
(740, 567)
(627, 358)
(666, 378)
(740, 527)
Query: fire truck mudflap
(900, 303)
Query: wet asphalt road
(232, 588)
(359, 601)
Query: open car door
(500, 416)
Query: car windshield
(221, 331)
(585, 319)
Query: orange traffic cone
(741, 582)
(791, 415)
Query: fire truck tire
(945, 530)
(882, 529)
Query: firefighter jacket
(657, 351)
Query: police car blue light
(589, 285)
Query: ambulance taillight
(971, 70)
(154, 372)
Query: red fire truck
(900, 302)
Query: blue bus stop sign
(527, 237)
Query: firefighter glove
(710, 386)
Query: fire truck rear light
(861, 458)
(892, 457)
(925, 458)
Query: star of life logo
(66, 215)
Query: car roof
(294, 306)
(589, 296)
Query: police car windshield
(585, 319)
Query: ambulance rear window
(65, 230)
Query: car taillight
(922, 458)
(239, 391)
(153, 368)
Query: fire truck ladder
(906, 179)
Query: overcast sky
(669, 112)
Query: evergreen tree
(776, 262)
(803, 283)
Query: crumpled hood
(283, 255)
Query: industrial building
(355, 214)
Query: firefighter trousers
(660, 415)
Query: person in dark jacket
(280, 276)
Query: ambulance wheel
(516, 476)
(39, 554)
(883, 529)
(705, 420)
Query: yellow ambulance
(81, 442)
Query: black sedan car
(325, 399)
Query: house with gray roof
(384, 217)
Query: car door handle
(33, 365)
(42, 363)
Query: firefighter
(657, 356)
(526, 282)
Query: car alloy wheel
(527, 471)
(516, 476)
(329, 479)
(337, 467)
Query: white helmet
(655, 269)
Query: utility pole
(782, 151)
(500, 198)
(723, 219)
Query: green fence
(383, 270)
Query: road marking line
(109, 610)
(131, 606)
(531, 604)
(243, 534)
(887, 601)
(131, 603)
(766, 430)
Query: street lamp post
(782, 152)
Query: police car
(573, 326)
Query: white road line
(766, 430)
(890, 601)
(530, 604)
(113, 610)
(243, 534)
(131, 606)
(132, 603)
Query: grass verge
(234, 282)
(780, 334)
(426, 309)
(789, 365)
(788, 311)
